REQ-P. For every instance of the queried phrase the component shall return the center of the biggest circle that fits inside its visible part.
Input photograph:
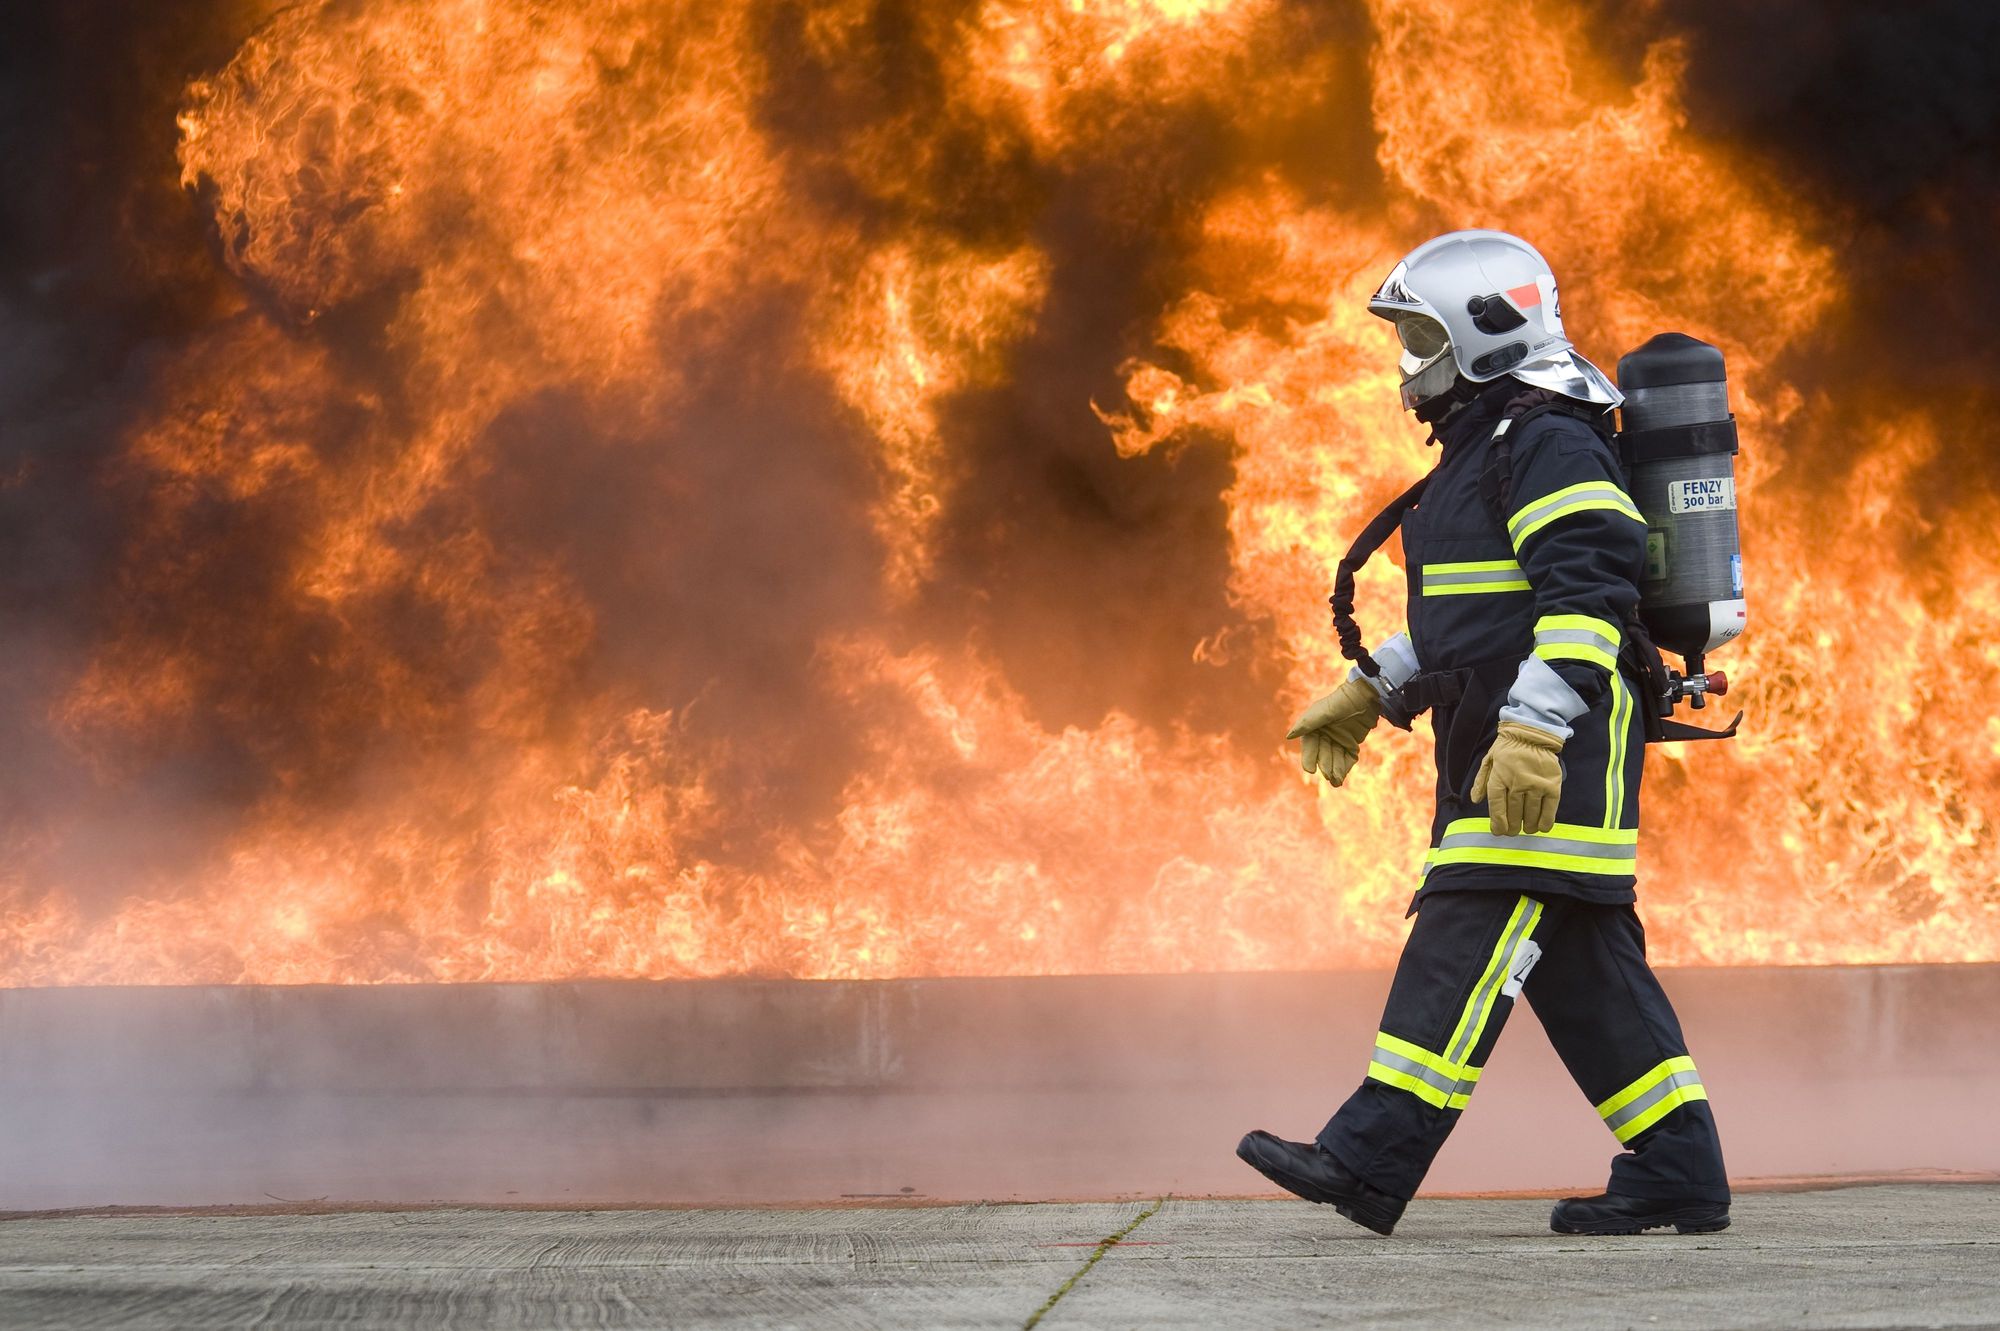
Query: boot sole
(1299, 1187)
(1681, 1223)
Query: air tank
(1680, 445)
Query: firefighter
(1523, 553)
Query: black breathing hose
(1366, 544)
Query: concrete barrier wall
(782, 1090)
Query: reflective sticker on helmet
(1526, 297)
(1710, 494)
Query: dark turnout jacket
(1526, 547)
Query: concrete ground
(1877, 1256)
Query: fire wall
(960, 1089)
(506, 491)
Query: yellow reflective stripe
(1659, 1109)
(1577, 651)
(1416, 1086)
(1416, 1053)
(1430, 1077)
(1657, 1093)
(1474, 577)
(1614, 769)
(1568, 502)
(1578, 638)
(1423, 1074)
(1538, 513)
(1570, 847)
(1604, 628)
(1531, 859)
(1652, 1077)
(1592, 652)
(1604, 836)
(1479, 1007)
(1615, 502)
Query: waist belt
(1433, 688)
(1441, 689)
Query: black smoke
(1884, 120)
(104, 270)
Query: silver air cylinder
(1680, 441)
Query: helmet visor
(1422, 336)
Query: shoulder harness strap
(1497, 479)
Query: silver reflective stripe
(1540, 843)
(1600, 490)
(1660, 1092)
(1394, 1061)
(1524, 920)
(1474, 577)
(1584, 636)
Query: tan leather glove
(1331, 730)
(1521, 779)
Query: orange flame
(578, 203)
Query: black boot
(1613, 1213)
(1308, 1170)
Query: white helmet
(1489, 299)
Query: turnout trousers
(1583, 967)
